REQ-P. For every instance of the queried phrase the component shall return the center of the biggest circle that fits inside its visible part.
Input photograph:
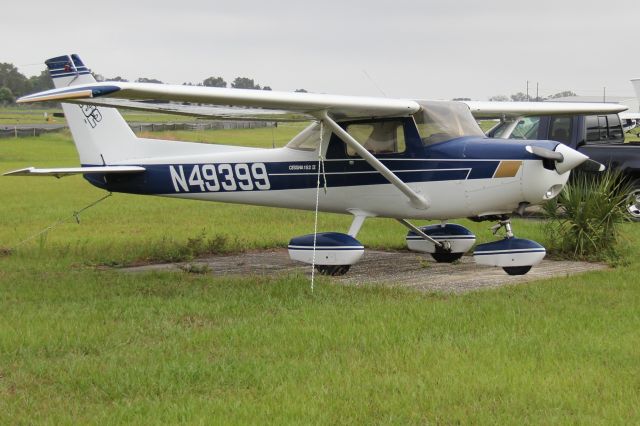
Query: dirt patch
(398, 269)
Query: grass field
(81, 343)
(29, 115)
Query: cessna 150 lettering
(395, 158)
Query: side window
(604, 128)
(499, 130)
(615, 128)
(596, 128)
(560, 129)
(381, 137)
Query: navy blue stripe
(324, 248)
(69, 74)
(441, 237)
(480, 253)
(157, 179)
(65, 70)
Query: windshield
(440, 121)
(307, 140)
(527, 128)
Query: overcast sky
(413, 49)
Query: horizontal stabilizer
(68, 171)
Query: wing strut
(416, 200)
(422, 234)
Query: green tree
(148, 80)
(6, 97)
(301, 91)
(41, 82)
(244, 83)
(214, 82)
(12, 79)
(118, 78)
(564, 94)
(499, 98)
(519, 97)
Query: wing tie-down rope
(315, 220)
(75, 215)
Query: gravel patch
(391, 268)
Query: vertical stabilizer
(100, 134)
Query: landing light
(552, 192)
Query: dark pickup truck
(601, 137)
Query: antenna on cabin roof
(374, 83)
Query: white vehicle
(394, 158)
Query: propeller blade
(545, 153)
(565, 158)
(592, 166)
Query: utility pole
(604, 94)
(527, 90)
(537, 87)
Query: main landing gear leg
(446, 242)
(508, 230)
(506, 224)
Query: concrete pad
(392, 268)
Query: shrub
(170, 250)
(583, 219)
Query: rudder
(100, 134)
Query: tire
(333, 270)
(633, 202)
(517, 270)
(446, 257)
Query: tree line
(14, 84)
(523, 97)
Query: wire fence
(212, 125)
(25, 131)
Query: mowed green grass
(87, 344)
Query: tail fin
(100, 134)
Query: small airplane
(631, 119)
(363, 156)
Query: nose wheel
(514, 255)
(446, 257)
(516, 270)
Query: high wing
(492, 110)
(308, 105)
(283, 106)
(211, 112)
